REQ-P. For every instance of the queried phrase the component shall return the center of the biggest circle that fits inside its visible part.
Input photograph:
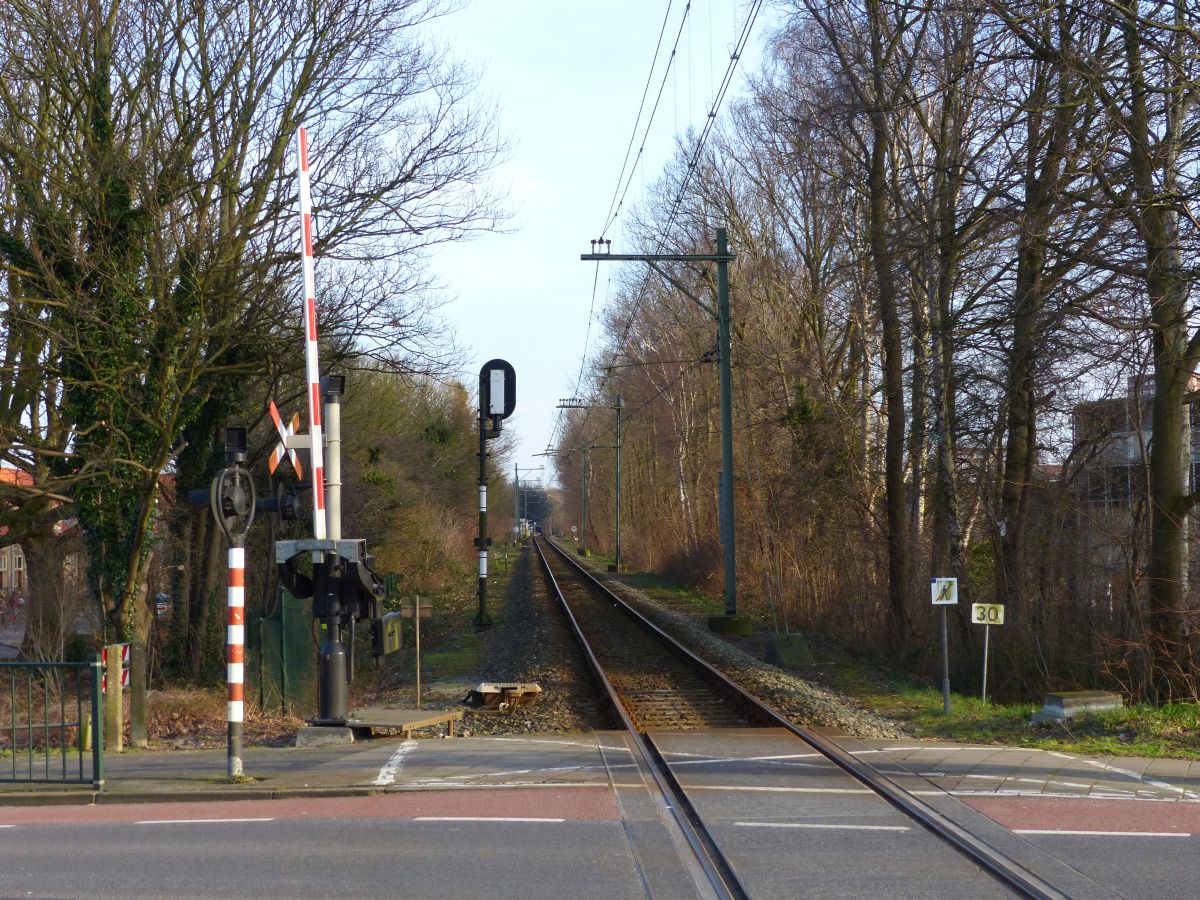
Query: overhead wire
(627, 171)
(637, 120)
(726, 81)
(615, 211)
(620, 193)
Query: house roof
(12, 475)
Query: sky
(568, 79)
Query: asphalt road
(397, 845)
(568, 816)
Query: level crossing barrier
(51, 723)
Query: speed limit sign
(987, 613)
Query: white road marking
(1161, 785)
(8, 826)
(484, 819)
(387, 774)
(681, 758)
(558, 743)
(779, 790)
(509, 772)
(822, 826)
(1183, 792)
(1103, 833)
(197, 821)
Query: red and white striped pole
(235, 655)
(310, 343)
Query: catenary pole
(726, 380)
(583, 502)
(722, 258)
(617, 517)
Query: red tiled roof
(10, 475)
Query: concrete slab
(1058, 707)
(405, 720)
(324, 736)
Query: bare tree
(148, 236)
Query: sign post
(417, 609)
(987, 614)
(945, 593)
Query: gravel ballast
(532, 642)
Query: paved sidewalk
(930, 768)
(368, 767)
(964, 770)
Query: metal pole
(617, 502)
(97, 725)
(726, 376)
(583, 504)
(482, 619)
(945, 665)
(986, 630)
(516, 503)
(333, 659)
(333, 465)
(236, 650)
(417, 618)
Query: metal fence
(51, 722)
(281, 671)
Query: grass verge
(1169, 731)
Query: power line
(641, 107)
(617, 204)
(726, 81)
(615, 211)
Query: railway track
(658, 690)
(656, 684)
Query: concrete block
(789, 651)
(324, 735)
(739, 626)
(1063, 705)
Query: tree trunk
(893, 385)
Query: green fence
(50, 722)
(282, 664)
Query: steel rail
(716, 867)
(1008, 871)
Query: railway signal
(497, 400)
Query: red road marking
(586, 803)
(1086, 814)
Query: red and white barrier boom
(310, 342)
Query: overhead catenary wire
(726, 82)
(619, 192)
(627, 171)
(613, 204)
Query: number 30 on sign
(987, 613)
